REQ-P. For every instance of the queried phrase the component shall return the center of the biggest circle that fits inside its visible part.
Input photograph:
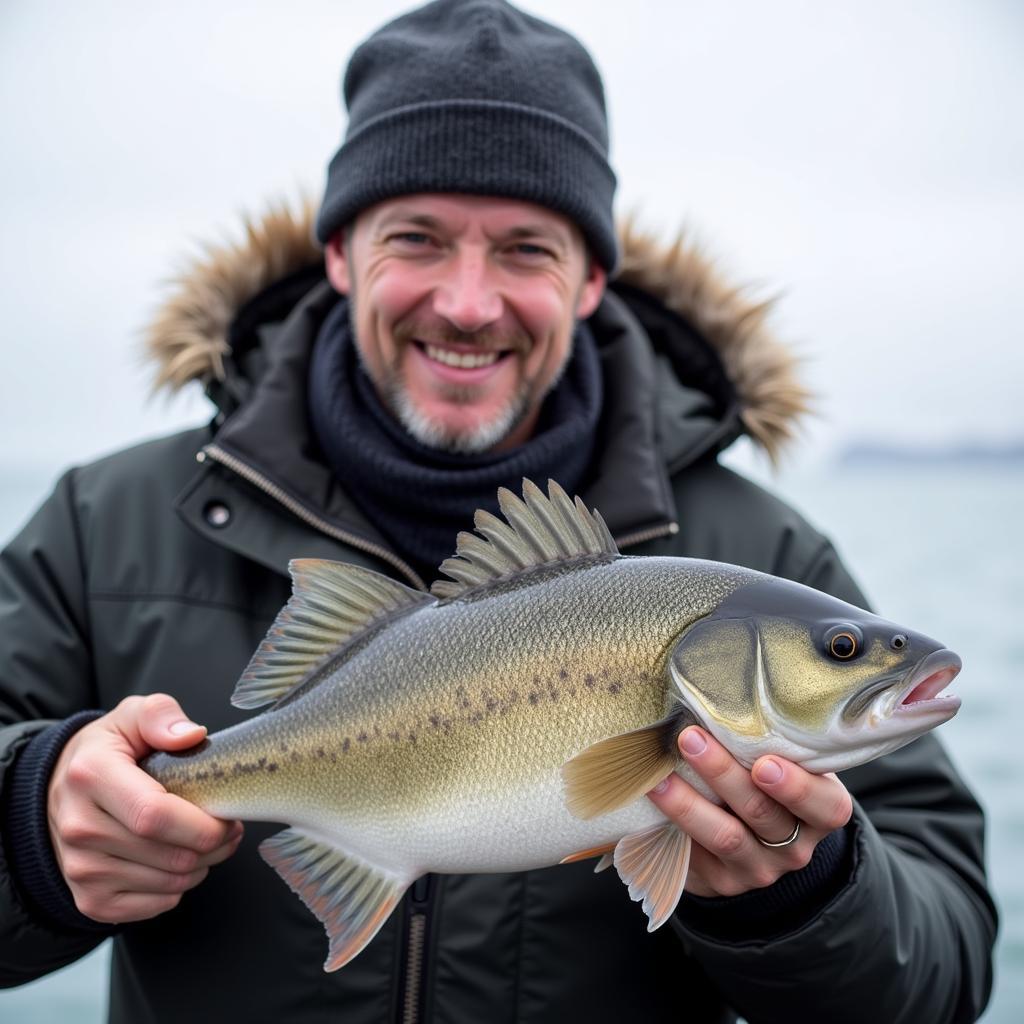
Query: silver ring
(788, 841)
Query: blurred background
(863, 162)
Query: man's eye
(530, 250)
(411, 238)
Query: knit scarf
(418, 497)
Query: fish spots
(563, 673)
(533, 696)
(589, 681)
(272, 766)
(362, 737)
(614, 688)
(346, 743)
(321, 753)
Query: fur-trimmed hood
(189, 337)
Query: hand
(767, 801)
(127, 848)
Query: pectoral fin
(616, 771)
(653, 864)
(351, 898)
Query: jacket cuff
(26, 832)
(796, 898)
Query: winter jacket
(159, 568)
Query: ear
(337, 263)
(592, 290)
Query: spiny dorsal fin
(331, 603)
(351, 898)
(614, 772)
(653, 864)
(539, 530)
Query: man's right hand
(127, 848)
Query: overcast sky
(864, 159)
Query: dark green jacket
(160, 568)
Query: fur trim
(188, 338)
(762, 370)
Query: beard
(433, 431)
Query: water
(939, 548)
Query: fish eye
(843, 642)
(899, 642)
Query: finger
(163, 725)
(100, 875)
(719, 832)
(147, 811)
(104, 835)
(732, 782)
(820, 801)
(122, 908)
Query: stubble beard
(434, 432)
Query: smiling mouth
(460, 360)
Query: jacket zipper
(268, 487)
(414, 964)
(642, 536)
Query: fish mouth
(922, 692)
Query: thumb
(163, 725)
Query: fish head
(781, 668)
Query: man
(460, 334)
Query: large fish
(515, 718)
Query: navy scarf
(418, 497)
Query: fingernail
(769, 771)
(661, 786)
(181, 727)
(694, 742)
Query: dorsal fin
(331, 603)
(539, 530)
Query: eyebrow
(426, 220)
(553, 233)
(423, 220)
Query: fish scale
(515, 718)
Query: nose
(467, 297)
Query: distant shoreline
(963, 455)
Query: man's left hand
(767, 801)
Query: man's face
(463, 309)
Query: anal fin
(352, 899)
(606, 861)
(653, 864)
(594, 851)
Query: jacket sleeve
(45, 676)
(908, 936)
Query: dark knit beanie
(475, 96)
